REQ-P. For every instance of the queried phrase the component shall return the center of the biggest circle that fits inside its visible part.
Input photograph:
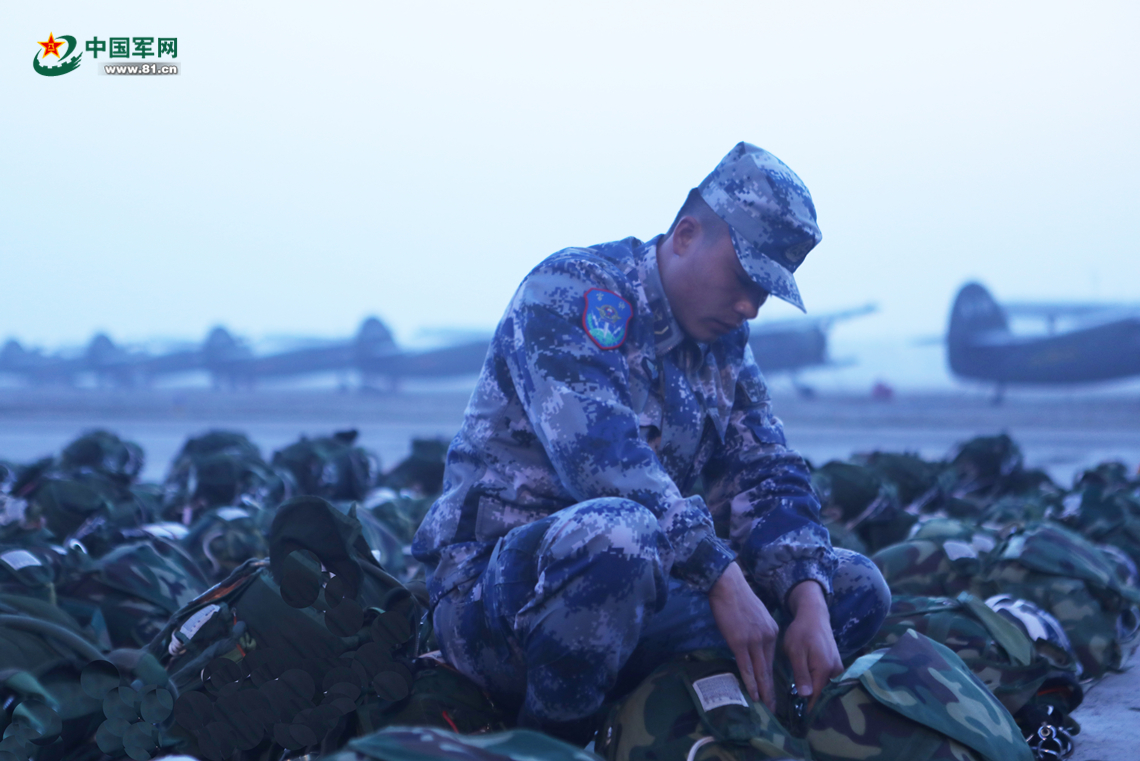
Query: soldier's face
(708, 290)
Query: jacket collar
(667, 334)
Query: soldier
(567, 556)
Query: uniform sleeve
(577, 397)
(765, 488)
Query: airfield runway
(1062, 433)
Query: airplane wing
(448, 361)
(823, 321)
(1047, 309)
(993, 338)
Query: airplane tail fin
(12, 353)
(374, 335)
(975, 311)
(221, 346)
(101, 349)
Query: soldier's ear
(686, 234)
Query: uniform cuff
(785, 577)
(706, 563)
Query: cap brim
(766, 273)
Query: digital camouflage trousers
(574, 608)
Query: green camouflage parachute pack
(105, 453)
(135, 588)
(222, 539)
(65, 698)
(916, 701)
(694, 708)
(29, 571)
(332, 467)
(67, 503)
(982, 464)
(421, 472)
(305, 650)
(934, 565)
(444, 698)
(92, 479)
(856, 499)
(400, 743)
(220, 469)
(1102, 513)
(995, 650)
(911, 475)
(1066, 575)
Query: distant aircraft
(1103, 344)
(781, 346)
(109, 363)
(232, 363)
(800, 343)
(372, 352)
(37, 368)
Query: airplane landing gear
(999, 395)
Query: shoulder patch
(605, 317)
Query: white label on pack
(17, 559)
(982, 543)
(232, 513)
(1014, 548)
(173, 531)
(719, 690)
(1072, 505)
(197, 621)
(955, 550)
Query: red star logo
(51, 47)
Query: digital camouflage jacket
(590, 389)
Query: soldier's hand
(809, 642)
(749, 630)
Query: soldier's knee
(613, 547)
(861, 598)
(857, 575)
(607, 524)
(615, 510)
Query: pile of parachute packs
(259, 610)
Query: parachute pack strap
(938, 625)
(878, 503)
(238, 578)
(56, 632)
(226, 589)
(380, 574)
(937, 608)
(697, 746)
(1004, 632)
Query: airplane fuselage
(981, 346)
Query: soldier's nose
(750, 301)
(748, 307)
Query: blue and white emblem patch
(605, 318)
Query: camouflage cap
(770, 213)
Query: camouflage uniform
(564, 526)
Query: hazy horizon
(313, 165)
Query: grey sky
(316, 163)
